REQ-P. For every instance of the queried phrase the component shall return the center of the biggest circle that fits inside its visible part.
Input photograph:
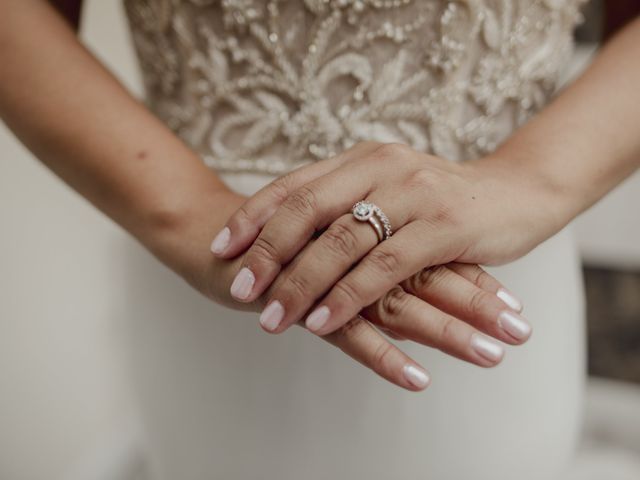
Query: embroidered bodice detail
(268, 85)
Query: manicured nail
(416, 376)
(221, 242)
(242, 284)
(514, 324)
(488, 349)
(316, 319)
(510, 299)
(271, 316)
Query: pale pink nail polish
(514, 324)
(221, 242)
(242, 284)
(271, 316)
(509, 299)
(317, 319)
(486, 348)
(416, 376)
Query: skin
(83, 125)
(488, 211)
(129, 165)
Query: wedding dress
(260, 87)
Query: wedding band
(371, 213)
(377, 226)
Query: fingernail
(242, 284)
(416, 376)
(316, 319)
(271, 316)
(488, 349)
(221, 242)
(510, 299)
(514, 324)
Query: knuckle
(477, 302)
(393, 150)
(480, 277)
(350, 328)
(348, 293)
(393, 305)
(381, 355)
(446, 333)
(265, 249)
(421, 178)
(302, 202)
(439, 214)
(296, 287)
(426, 278)
(341, 239)
(386, 261)
(243, 215)
(443, 214)
(281, 187)
(348, 336)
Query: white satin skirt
(221, 399)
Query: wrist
(179, 233)
(548, 196)
(528, 207)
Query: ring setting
(371, 213)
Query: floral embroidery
(268, 85)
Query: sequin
(267, 86)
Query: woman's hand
(181, 239)
(479, 212)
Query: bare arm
(588, 140)
(78, 120)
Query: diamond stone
(362, 211)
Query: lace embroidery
(266, 86)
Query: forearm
(588, 139)
(78, 120)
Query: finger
(321, 265)
(306, 210)
(416, 320)
(362, 342)
(389, 263)
(482, 279)
(244, 225)
(391, 333)
(449, 292)
(309, 208)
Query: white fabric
(267, 85)
(220, 398)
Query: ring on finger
(371, 213)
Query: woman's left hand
(479, 212)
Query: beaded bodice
(266, 85)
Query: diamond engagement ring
(369, 212)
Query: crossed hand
(311, 261)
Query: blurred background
(65, 409)
(609, 238)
